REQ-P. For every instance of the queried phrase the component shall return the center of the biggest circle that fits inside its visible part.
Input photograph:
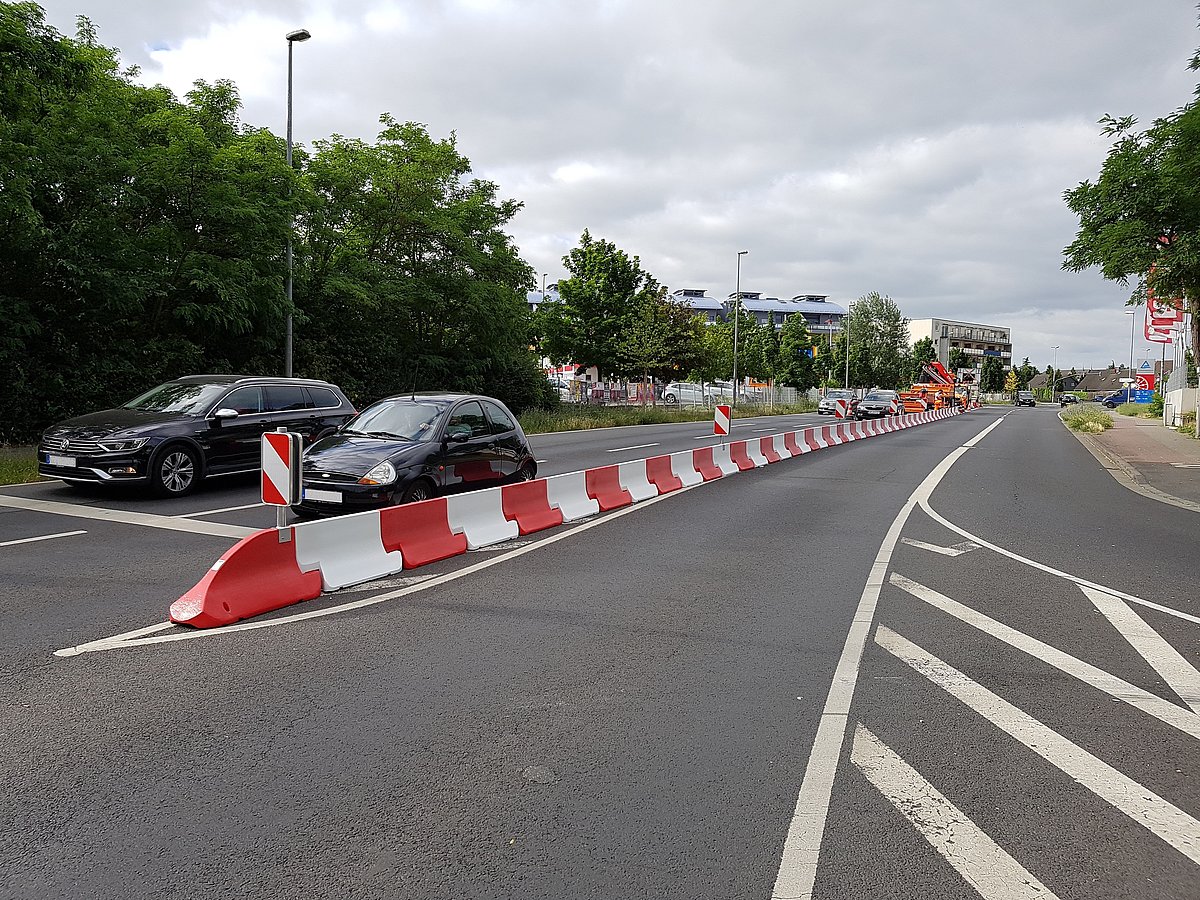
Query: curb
(273, 568)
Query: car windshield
(178, 397)
(408, 420)
(839, 395)
(882, 397)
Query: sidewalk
(1150, 458)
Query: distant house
(1097, 382)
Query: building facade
(972, 338)
(821, 316)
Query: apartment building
(972, 338)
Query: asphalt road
(642, 705)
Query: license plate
(322, 496)
(66, 462)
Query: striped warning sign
(280, 468)
(721, 420)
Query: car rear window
(323, 398)
(287, 397)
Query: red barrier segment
(810, 438)
(658, 471)
(789, 441)
(741, 459)
(526, 503)
(827, 433)
(604, 487)
(254, 576)
(766, 446)
(421, 532)
(702, 459)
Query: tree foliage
(991, 375)
(796, 366)
(878, 336)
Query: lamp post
(1132, 378)
(737, 306)
(846, 332)
(1054, 372)
(293, 37)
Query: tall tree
(991, 375)
(878, 337)
(1140, 219)
(796, 365)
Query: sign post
(281, 475)
(721, 420)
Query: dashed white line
(213, 512)
(982, 863)
(41, 537)
(1160, 817)
(634, 447)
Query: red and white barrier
(274, 568)
(721, 418)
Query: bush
(1089, 421)
(1130, 409)
(1156, 406)
(1188, 424)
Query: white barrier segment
(479, 515)
(345, 550)
(683, 467)
(568, 494)
(722, 460)
(632, 477)
(835, 436)
(801, 442)
(754, 452)
(779, 443)
(818, 433)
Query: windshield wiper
(382, 434)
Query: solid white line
(1151, 704)
(1176, 671)
(213, 512)
(982, 863)
(43, 537)
(1052, 571)
(634, 447)
(147, 520)
(802, 846)
(115, 642)
(1160, 817)
(956, 550)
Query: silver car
(827, 407)
(687, 393)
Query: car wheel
(176, 471)
(419, 490)
(527, 472)
(670, 399)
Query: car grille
(74, 446)
(318, 478)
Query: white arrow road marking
(1169, 713)
(802, 846)
(982, 863)
(1160, 817)
(148, 520)
(1176, 671)
(955, 550)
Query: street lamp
(846, 332)
(737, 305)
(1132, 378)
(1054, 372)
(293, 37)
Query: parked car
(1024, 398)
(877, 404)
(410, 448)
(826, 406)
(1067, 399)
(196, 427)
(688, 393)
(1115, 399)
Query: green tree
(960, 359)
(1011, 382)
(1141, 216)
(662, 338)
(878, 336)
(796, 366)
(991, 375)
(599, 299)
(1024, 373)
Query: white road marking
(42, 537)
(1180, 675)
(982, 863)
(1160, 817)
(802, 846)
(213, 512)
(1186, 465)
(955, 550)
(634, 447)
(1083, 582)
(1151, 704)
(122, 517)
(114, 642)
(540, 461)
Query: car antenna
(416, 375)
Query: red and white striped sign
(280, 468)
(721, 420)
(841, 409)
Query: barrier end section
(254, 576)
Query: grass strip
(1089, 421)
(18, 465)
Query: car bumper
(104, 468)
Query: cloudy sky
(918, 148)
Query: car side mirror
(457, 437)
(225, 413)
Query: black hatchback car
(183, 431)
(411, 448)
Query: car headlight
(384, 473)
(123, 446)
